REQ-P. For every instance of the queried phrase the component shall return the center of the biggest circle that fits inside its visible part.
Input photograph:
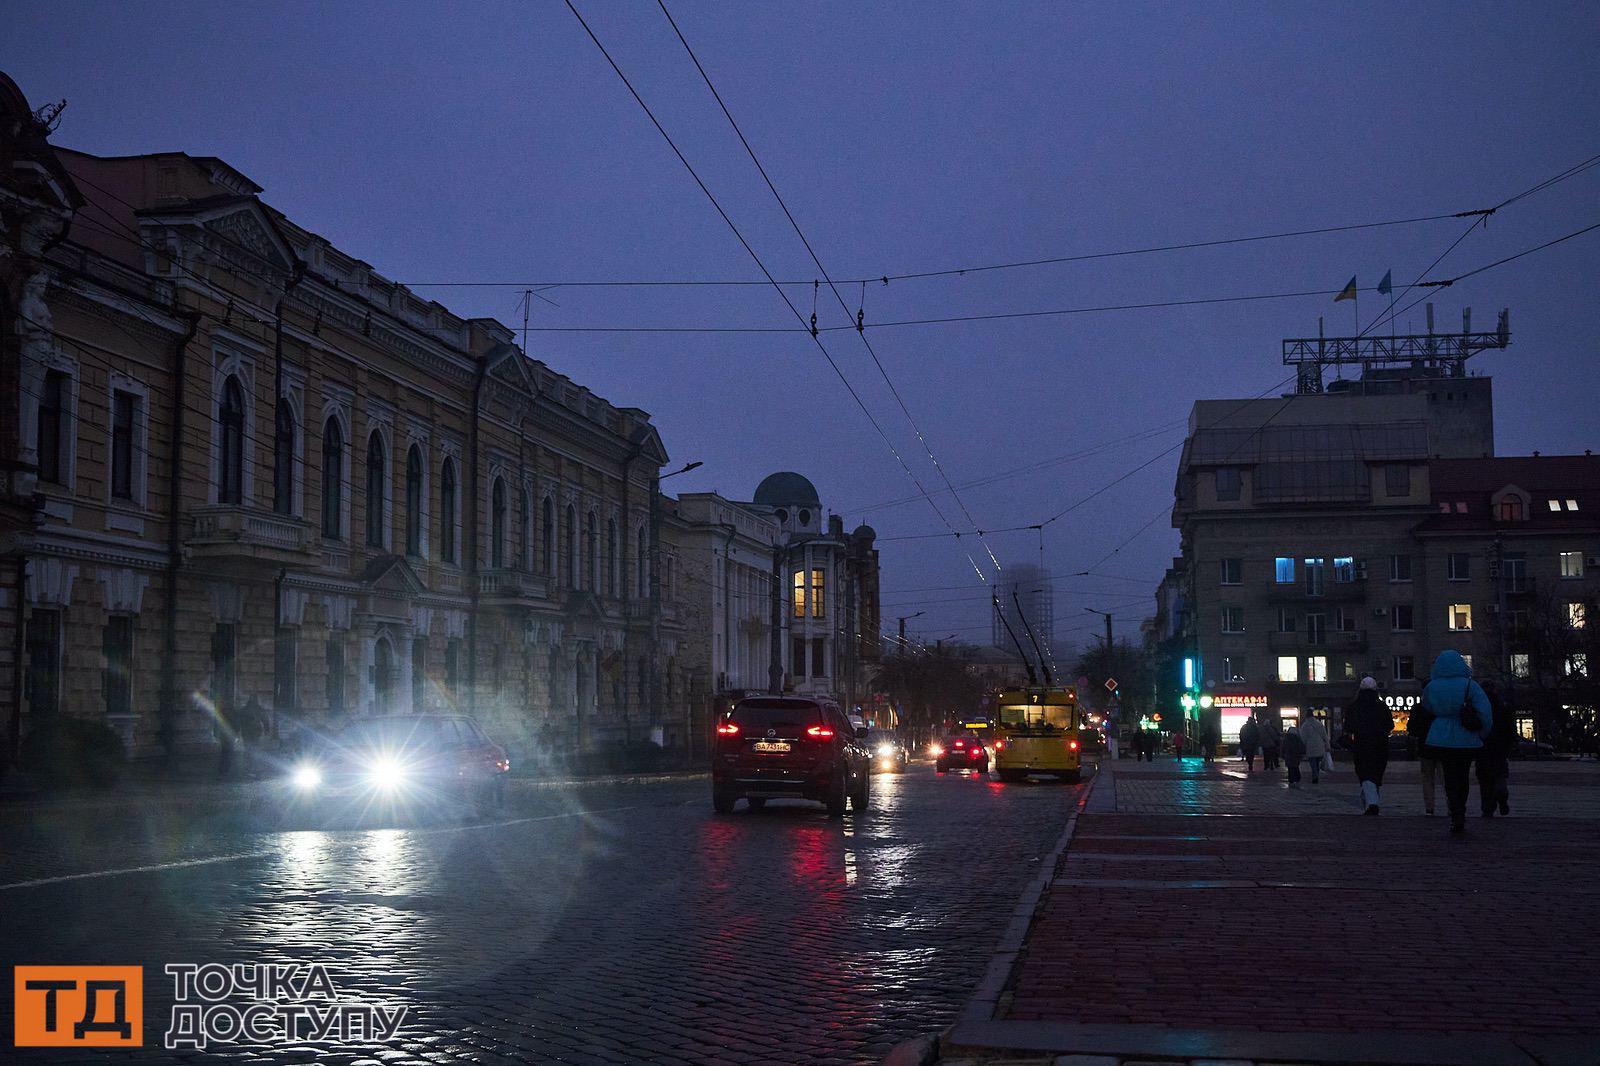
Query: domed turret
(787, 489)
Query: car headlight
(935, 751)
(387, 773)
(885, 750)
(306, 777)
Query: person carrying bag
(1461, 715)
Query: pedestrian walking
(1494, 769)
(1111, 743)
(1208, 742)
(1368, 723)
(1417, 724)
(1249, 741)
(1271, 743)
(1461, 715)
(1294, 749)
(1315, 737)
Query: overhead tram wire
(881, 279)
(768, 274)
(812, 252)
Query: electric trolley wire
(893, 389)
(768, 274)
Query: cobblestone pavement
(615, 923)
(1205, 900)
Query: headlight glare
(885, 750)
(387, 773)
(306, 776)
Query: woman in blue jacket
(1449, 741)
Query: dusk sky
(492, 143)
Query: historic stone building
(244, 468)
(780, 597)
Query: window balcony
(234, 534)
(508, 585)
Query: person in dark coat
(1249, 741)
(1294, 749)
(1494, 769)
(1369, 724)
(1271, 743)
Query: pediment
(248, 228)
(391, 575)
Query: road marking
(242, 855)
(36, 882)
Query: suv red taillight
(727, 729)
(821, 732)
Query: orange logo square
(79, 1006)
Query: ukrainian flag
(1348, 292)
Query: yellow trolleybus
(1036, 732)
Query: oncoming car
(398, 768)
(890, 754)
(772, 746)
(961, 751)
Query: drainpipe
(480, 374)
(169, 709)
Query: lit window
(1459, 616)
(1283, 570)
(1578, 664)
(816, 593)
(1555, 505)
(1344, 569)
(1314, 571)
(1521, 665)
(1317, 668)
(799, 593)
(1525, 728)
(1575, 616)
(1467, 659)
(1571, 564)
(1461, 508)
(1288, 668)
(1444, 508)
(1510, 510)
(1572, 505)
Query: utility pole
(903, 620)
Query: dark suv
(789, 746)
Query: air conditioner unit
(1494, 571)
(1591, 560)
(1379, 612)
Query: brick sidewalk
(1196, 906)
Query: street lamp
(653, 674)
(903, 620)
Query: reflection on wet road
(602, 924)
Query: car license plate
(770, 746)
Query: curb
(985, 1000)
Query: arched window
(414, 501)
(569, 535)
(547, 537)
(332, 479)
(375, 490)
(497, 524)
(447, 511)
(283, 459)
(524, 531)
(611, 557)
(642, 559)
(591, 552)
(230, 413)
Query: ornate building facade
(243, 466)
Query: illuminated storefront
(1233, 709)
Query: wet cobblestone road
(604, 923)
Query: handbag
(1471, 720)
(1327, 761)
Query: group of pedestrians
(1458, 724)
(1307, 741)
